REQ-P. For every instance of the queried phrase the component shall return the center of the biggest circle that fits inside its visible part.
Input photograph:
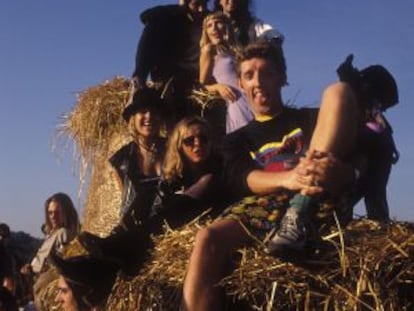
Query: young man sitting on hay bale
(283, 163)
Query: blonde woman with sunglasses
(190, 172)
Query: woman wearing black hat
(138, 164)
(137, 167)
(88, 278)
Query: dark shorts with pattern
(260, 215)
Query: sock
(301, 203)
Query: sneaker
(291, 234)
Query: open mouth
(259, 94)
(147, 123)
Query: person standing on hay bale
(191, 180)
(377, 90)
(267, 158)
(168, 51)
(61, 226)
(248, 27)
(218, 71)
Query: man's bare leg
(209, 261)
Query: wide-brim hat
(91, 279)
(379, 84)
(146, 98)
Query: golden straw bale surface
(96, 128)
(365, 266)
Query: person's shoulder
(240, 133)
(160, 12)
(125, 149)
(207, 49)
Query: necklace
(149, 148)
(149, 153)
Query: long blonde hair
(173, 166)
(230, 43)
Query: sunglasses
(190, 141)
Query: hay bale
(96, 129)
(48, 293)
(213, 108)
(365, 266)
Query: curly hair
(68, 214)
(174, 163)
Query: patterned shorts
(259, 214)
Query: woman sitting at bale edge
(138, 164)
(137, 167)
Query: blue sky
(51, 49)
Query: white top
(56, 240)
(260, 30)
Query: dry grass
(363, 267)
(95, 129)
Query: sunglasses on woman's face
(190, 140)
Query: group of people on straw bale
(262, 176)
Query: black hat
(91, 279)
(371, 83)
(379, 84)
(146, 98)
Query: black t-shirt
(273, 145)
(169, 43)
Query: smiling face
(216, 30)
(146, 123)
(262, 83)
(65, 296)
(196, 145)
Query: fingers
(227, 93)
(313, 190)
